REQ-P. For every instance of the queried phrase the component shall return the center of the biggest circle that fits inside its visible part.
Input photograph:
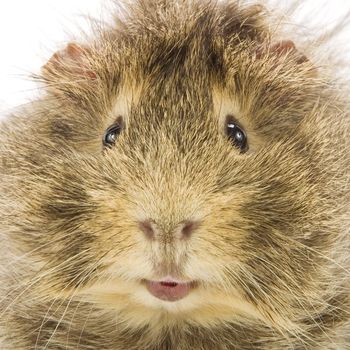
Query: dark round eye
(236, 134)
(111, 135)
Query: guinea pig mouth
(169, 289)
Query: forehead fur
(168, 43)
(187, 55)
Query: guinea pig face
(197, 195)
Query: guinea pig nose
(181, 231)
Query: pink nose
(182, 231)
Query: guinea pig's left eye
(236, 134)
(111, 135)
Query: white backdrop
(31, 30)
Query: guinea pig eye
(236, 134)
(111, 135)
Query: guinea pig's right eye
(236, 134)
(111, 135)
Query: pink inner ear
(74, 51)
(285, 46)
(281, 48)
(72, 58)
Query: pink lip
(169, 289)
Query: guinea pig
(182, 184)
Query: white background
(31, 30)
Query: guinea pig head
(190, 180)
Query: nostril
(147, 228)
(188, 228)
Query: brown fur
(271, 253)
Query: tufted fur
(271, 253)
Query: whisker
(81, 279)
(84, 326)
(34, 281)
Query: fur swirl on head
(270, 255)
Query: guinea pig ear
(71, 62)
(280, 49)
